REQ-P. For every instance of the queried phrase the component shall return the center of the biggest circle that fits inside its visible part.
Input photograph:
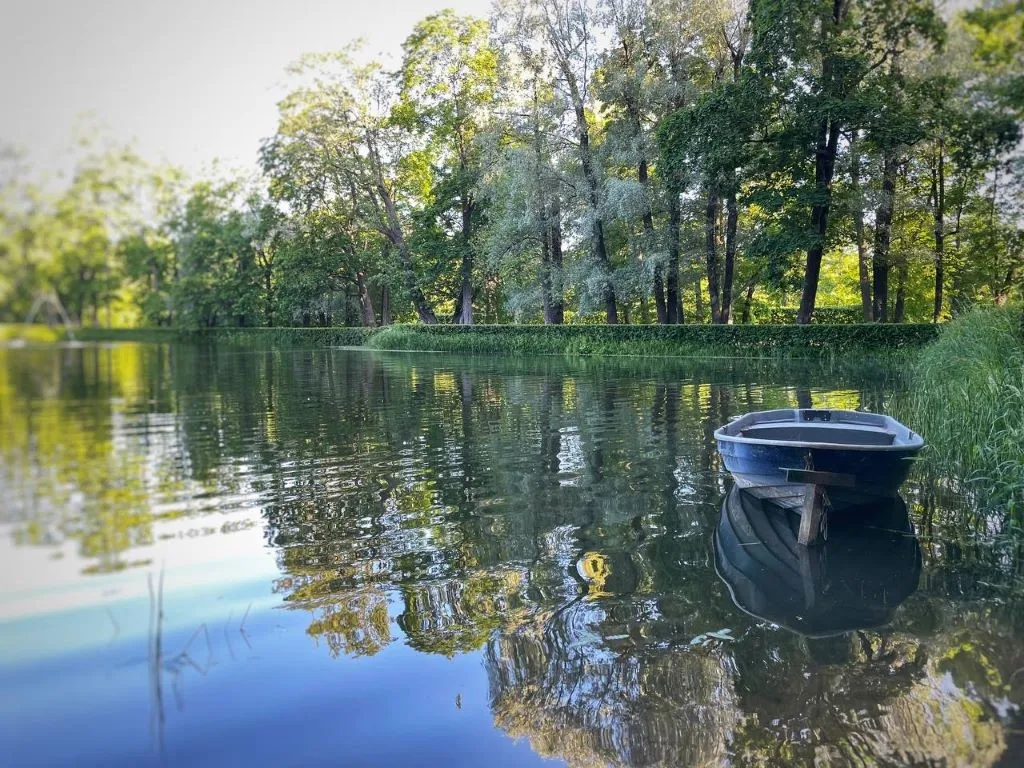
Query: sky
(188, 81)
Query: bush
(340, 336)
(821, 316)
(32, 333)
(128, 334)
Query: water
(223, 556)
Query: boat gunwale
(914, 442)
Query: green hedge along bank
(648, 340)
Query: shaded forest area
(618, 161)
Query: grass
(968, 401)
(35, 334)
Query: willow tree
(562, 34)
(523, 182)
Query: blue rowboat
(868, 452)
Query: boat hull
(879, 472)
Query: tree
(563, 32)
(448, 83)
(338, 146)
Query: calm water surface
(223, 556)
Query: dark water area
(216, 556)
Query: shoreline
(691, 341)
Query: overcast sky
(189, 80)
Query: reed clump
(968, 402)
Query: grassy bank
(35, 334)
(44, 334)
(968, 401)
(770, 341)
(671, 341)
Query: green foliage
(568, 161)
(286, 337)
(822, 315)
(34, 333)
(968, 402)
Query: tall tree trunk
(385, 305)
(958, 301)
(899, 310)
(369, 317)
(883, 236)
(1002, 292)
(392, 230)
(551, 263)
(673, 299)
(939, 215)
(863, 259)
(711, 251)
(594, 198)
(698, 300)
(826, 150)
(660, 307)
(394, 234)
(746, 304)
(732, 215)
(554, 239)
(546, 297)
(824, 169)
(659, 285)
(269, 301)
(464, 301)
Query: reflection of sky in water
(421, 560)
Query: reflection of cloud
(181, 545)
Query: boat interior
(821, 433)
(829, 427)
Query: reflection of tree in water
(558, 685)
(69, 468)
(882, 700)
(461, 614)
(559, 519)
(356, 625)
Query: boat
(866, 452)
(868, 565)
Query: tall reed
(968, 402)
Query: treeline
(621, 161)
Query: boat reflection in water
(868, 564)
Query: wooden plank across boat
(817, 456)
